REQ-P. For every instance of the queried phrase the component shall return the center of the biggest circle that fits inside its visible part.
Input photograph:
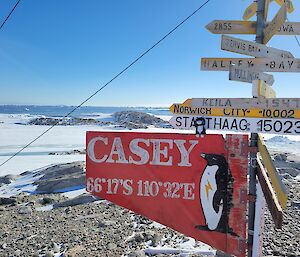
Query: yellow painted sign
(269, 194)
(275, 24)
(261, 89)
(289, 5)
(277, 184)
(249, 27)
(183, 109)
(231, 27)
(250, 11)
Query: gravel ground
(95, 229)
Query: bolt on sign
(195, 185)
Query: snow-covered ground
(14, 136)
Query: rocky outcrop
(135, 120)
(59, 178)
(126, 119)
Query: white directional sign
(271, 103)
(248, 75)
(236, 124)
(258, 64)
(272, 28)
(245, 47)
(248, 27)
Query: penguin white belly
(208, 188)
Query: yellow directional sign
(250, 11)
(289, 4)
(183, 109)
(275, 24)
(261, 89)
(271, 199)
(277, 184)
(231, 27)
(249, 27)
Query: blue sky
(58, 52)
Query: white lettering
(157, 152)
(185, 154)
(139, 151)
(91, 149)
(117, 148)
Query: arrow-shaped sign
(248, 27)
(238, 124)
(271, 103)
(250, 112)
(250, 11)
(257, 64)
(246, 47)
(248, 75)
(272, 28)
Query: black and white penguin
(216, 193)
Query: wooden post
(260, 25)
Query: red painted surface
(178, 180)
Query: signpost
(246, 47)
(272, 28)
(246, 75)
(249, 27)
(203, 180)
(257, 64)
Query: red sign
(195, 185)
